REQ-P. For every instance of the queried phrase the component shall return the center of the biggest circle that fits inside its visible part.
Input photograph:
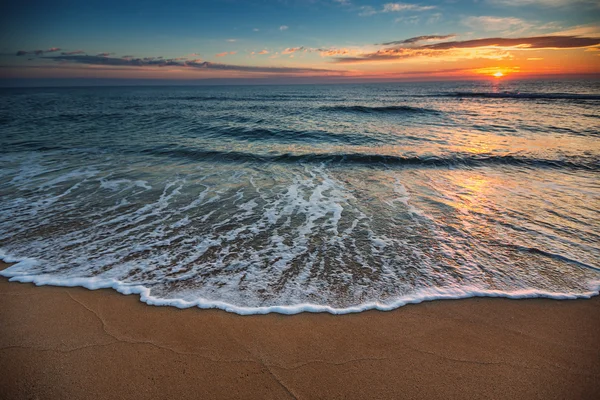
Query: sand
(72, 343)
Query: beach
(72, 343)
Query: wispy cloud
(413, 19)
(291, 50)
(399, 7)
(195, 64)
(418, 39)
(37, 52)
(226, 53)
(284, 28)
(543, 3)
(337, 52)
(70, 53)
(366, 11)
(535, 42)
(491, 24)
(493, 48)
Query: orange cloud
(495, 48)
(291, 50)
(226, 53)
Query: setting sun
(498, 74)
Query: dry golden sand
(71, 343)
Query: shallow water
(332, 198)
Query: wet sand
(72, 343)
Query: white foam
(17, 273)
(311, 239)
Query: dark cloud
(71, 53)
(537, 42)
(162, 62)
(250, 68)
(38, 52)
(417, 39)
(104, 54)
(398, 51)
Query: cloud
(291, 50)
(263, 52)
(417, 39)
(536, 42)
(492, 48)
(251, 68)
(543, 3)
(336, 52)
(413, 19)
(70, 53)
(256, 30)
(226, 53)
(196, 64)
(367, 11)
(590, 30)
(399, 7)
(284, 28)
(38, 52)
(434, 18)
(490, 24)
(104, 54)
(232, 40)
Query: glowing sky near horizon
(311, 39)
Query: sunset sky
(297, 40)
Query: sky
(296, 40)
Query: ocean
(321, 198)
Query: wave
(273, 97)
(519, 95)
(458, 160)
(18, 273)
(383, 109)
(290, 136)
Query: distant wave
(459, 160)
(518, 95)
(287, 135)
(273, 97)
(383, 109)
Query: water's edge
(14, 274)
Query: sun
(498, 74)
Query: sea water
(336, 198)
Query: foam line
(17, 273)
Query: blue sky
(264, 32)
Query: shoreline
(60, 342)
(144, 296)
